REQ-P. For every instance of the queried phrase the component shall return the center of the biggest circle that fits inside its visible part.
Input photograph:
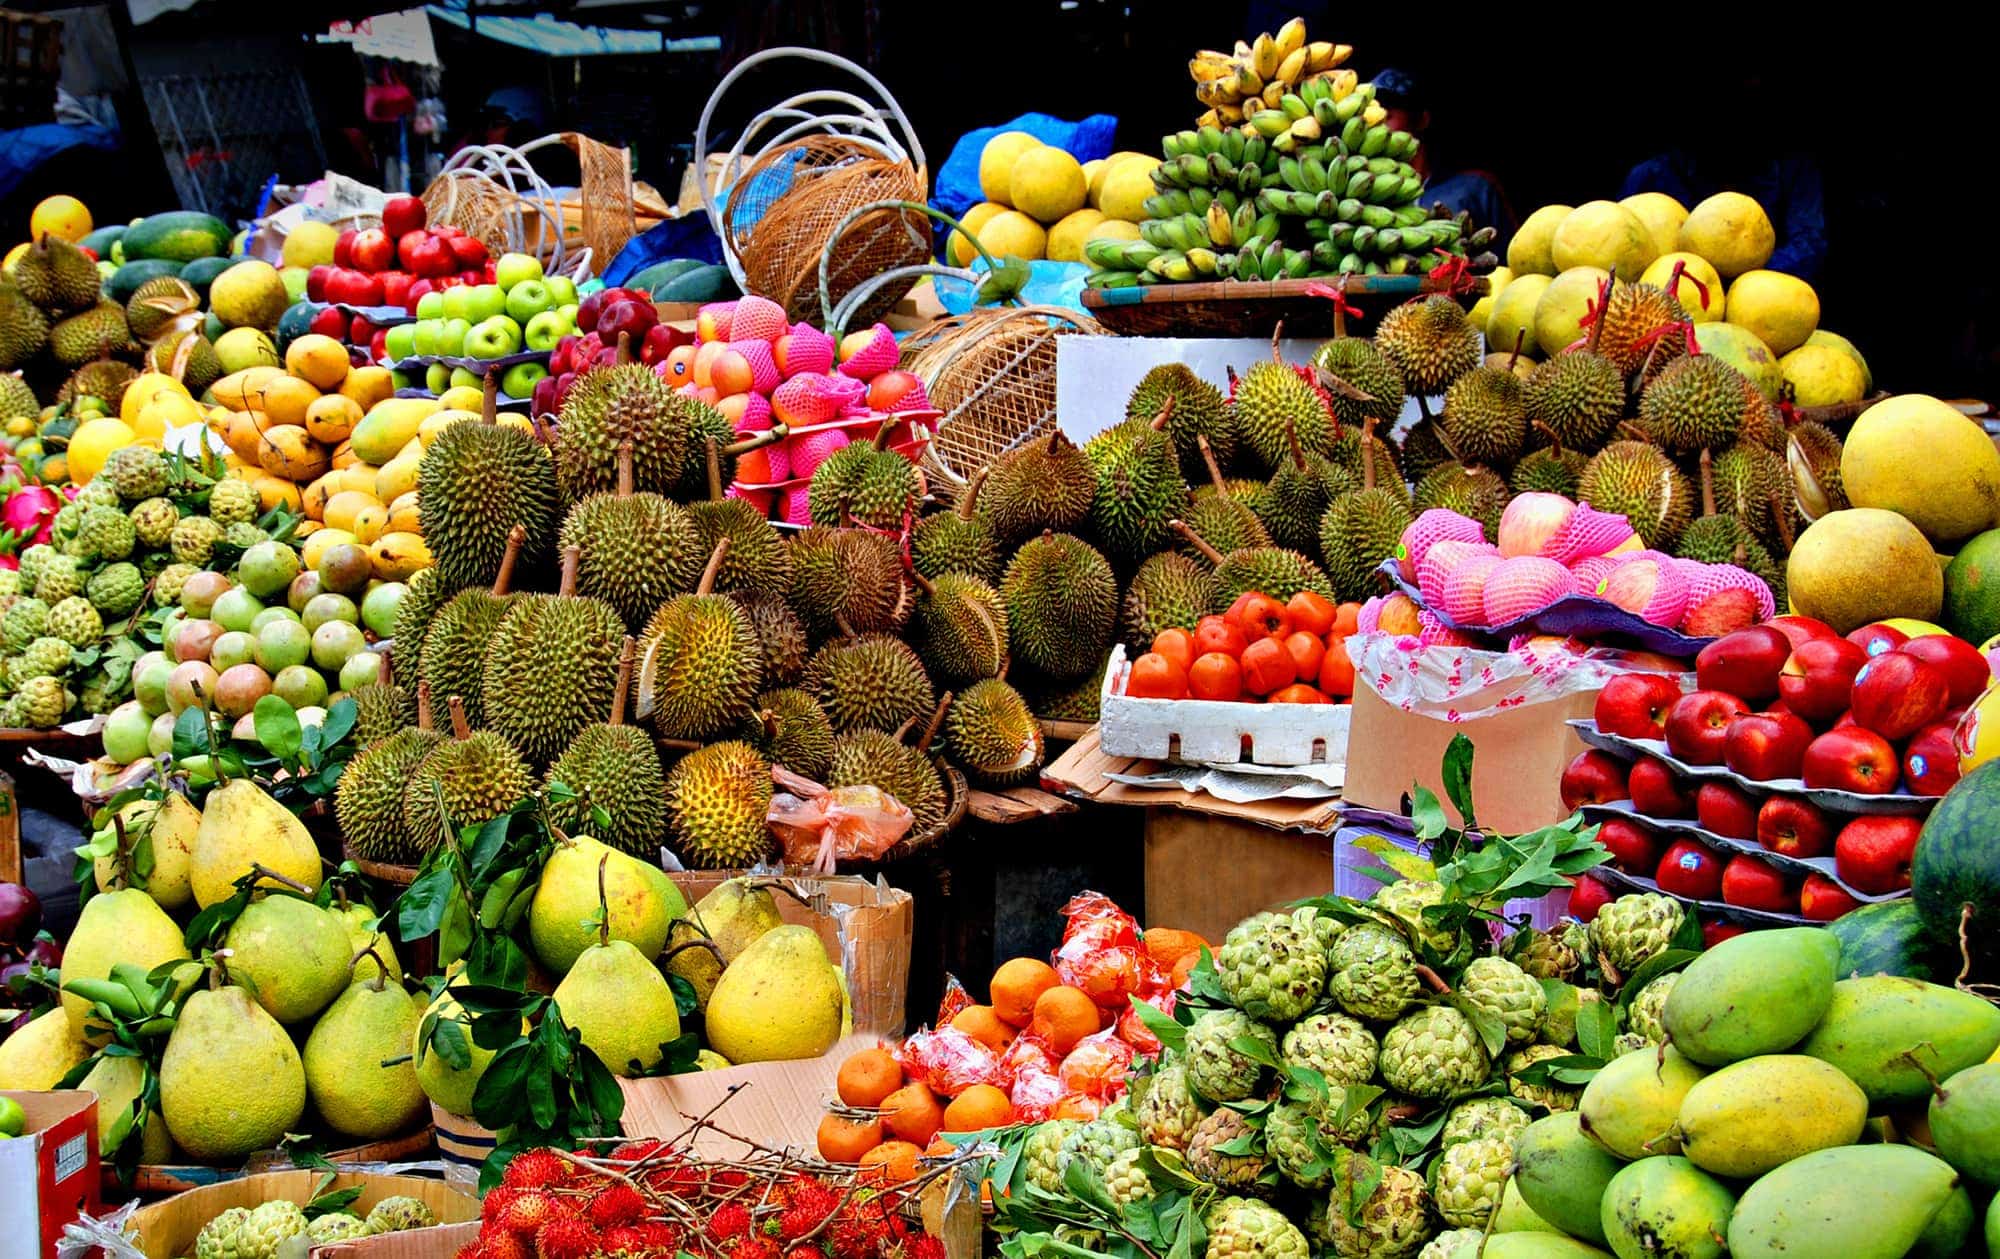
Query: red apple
(1752, 884)
(628, 317)
(343, 248)
(469, 251)
(373, 250)
(886, 393)
(396, 286)
(1720, 613)
(1587, 896)
(1594, 777)
(1794, 828)
(418, 288)
(20, 914)
(316, 282)
(1896, 695)
(360, 332)
(328, 321)
(1655, 790)
(588, 309)
(1801, 629)
(1766, 746)
(1635, 705)
(449, 231)
(1823, 900)
(1851, 759)
(1633, 847)
(1727, 810)
(1691, 870)
(1714, 931)
(378, 346)
(1819, 677)
(1961, 663)
(1876, 639)
(1872, 853)
(424, 254)
(1698, 725)
(1745, 663)
(403, 215)
(1930, 760)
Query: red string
(1336, 295)
(1454, 275)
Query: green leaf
(494, 960)
(277, 727)
(455, 932)
(487, 844)
(607, 1098)
(1597, 1029)
(448, 1041)
(499, 1100)
(1458, 779)
(339, 720)
(420, 909)
(191, 733)
(1172, 1035)
(210, 925)
(1426, 814)
(686, 1000)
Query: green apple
(378, 607)
(519, 380)
(160, 737)
(514, 269)
(483, 301)
(424, 335)
(528, 299)
(125, 732)
(334, 642)
(361, 668)
(400, 341)
(463, 376)
(431, 305)
(236, 609)
(283, 644)
(276, 612)
(301, 686)
(399, 379)
(437, 377)
(322, 608)
(493, 338)
(546, 329)
(451, 341)
(231, 649)
(294, 279)
(563, 287)
(458, 303)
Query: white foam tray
(1212, 732)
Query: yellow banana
(1209, 118)
(1209, 64)
(1374, 113)
(1264, 55)
(1230, 113)
(1293, 67)
(1248, 82)
(1324, 55)
(1214, 91)
(1273, 92)
(1203, 261)
(1242, 51)
(1291, 37)
(1221, 229)
(1341, 82)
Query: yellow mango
(388, 427)
(367, 385)
(331, 417)
(239, 390)
(286, 398)
(343, 506)
(404, 516)
(434, 424)
(289, 451)
(324, 538)
(275, 491)
(246, 436)
(399, 476)
(398, 556)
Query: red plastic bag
(950, 1062)
(817, 828)
(1097, 1066)
(1093, 920)
(1133, 1031)
(1110, 975)
(953, 1002)
(1035, 1095)
(1028, 1056)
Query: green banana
(1272, 264)
(1341, 236)
(1297, 263)
(1232, 145)
(1327, 110)
(1401, 264)
(1106, 253)
(1249, 178)
(1383, 165)
(1351, 264)
(1378, 217)
(1160, 265)
(1193, 169)
(1208, 140)
(1351, 132)
(1133, 255)
(1294, 106)
(1157, 233)
(1350, 106)
(1402, 145)
(1164, 205)
(1245, 267)
(1410, 215)
(1221, 170)
(1374, 140)
(1326, 254)
(1243, 222)
(1410, 189)
(1313, 175)
(1227, 199)
(1270, 123)
(1292, 172)
(1166, 177)
(1389, 241)
(1360, 186)
(1170, 146)
(1364, 239)
(1198, 200)
(1255, 149)
(1112, 280)
(1268, 225)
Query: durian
(874, 758)
(1046, 483)
(1299, 493)
(1062, 603)
(1366, 386)
(757, 557)
(466, 780)
(699, 662)
(1430, 342)
(1358, 532)
(1170, 591)
(378, 710)
(57, 276)
(959, 628)
(1485, 419)
(1628, 331)
(781, 636)
(1139, 489)
(1720, 537)
(369, 800)
(637, 548)
(791, 729)
(551, 666)
(865, 483)
(426, 593)
(957, 541)
(1812, 455)
(1352, 443)
(1696, 403)
(189, 357)
(623, 403)
(1423, 449)
(1272, 569)
(849, 581)
(990, 733)
(875, 682)
(1551, 469)
(24, 329)
(474, 484)
(1199, 412)
(717, 800)
(456, 640)
(1578, 396)
(161, 303)
(614, 767)
(17, 400)
(95, 333)
(1272, 400)
(1747, 477)
(1067, 700)
(1637, 481)
(1477, 492)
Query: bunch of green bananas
(1258, 74)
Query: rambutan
(633, 1151)
(923, 1246)
(618, 1203)
(625, 1241)
(730, 1221)
(811, 1191)
(471, 1250)
(566, 1236)
(536, 1169)
(505, 1245)
(754, 1247)
(524, 1211)
(807, 1252)
(661, 1238)
(799, 1219)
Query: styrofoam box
(1213, 732)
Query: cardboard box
(167, 1229)
(442, 1242)
(48, 1174)
(775, 1104)
(1206, 874)
(1084, 772)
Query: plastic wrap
(818, 831)
(948, 1061)
(1466, 683)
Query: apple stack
(508, 323)
(1792, 783)
(591, 340)
(395, 264)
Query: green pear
(563, 917)
(348, 1057)
(122, 926)
(291, 954)
(37, 1057)
(450, 1087)
(620, 1005)
(118, 1081)
(778, 1001)
(169, 828)
(736, 914)
(230, 1080)
(242, 826)
(363, 933)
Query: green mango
(1758, 993)
(1894, 1036)
(1630, 1106)
(1666, 1207)
(1539, 1246)
(1949, 1230)
(1753, 1115)
(1856, 1202)
(1965, 1122)
(1562, 1174)
(1514, 1215)
(1993, 1226)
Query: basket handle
(872, 207)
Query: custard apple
(1469, 1177)
(115, 589)
(217, 1238)
(1453, 1243)
(1218, 1071)
(243, 535)
(1301, 1139)
(1244, 1228)
(1434, 1054)
(136, 472)
(1541, 954)
(32, 560)
(1559, 1020)
(41, 702)
(25, 621)
(1394, 1221)
(395, 1214)
(60, 578)
(167, 584)
(1484, 1118)
(1126, 1181)
(1225, 1151)
(1168, 1111)
(1497, 987)
(232, 502)
(1372, 974)
(1406, 900)
(106, 534)
(1552, 1094)
(98, 493)
(10, 582)
(1629, 1042)
(193, 539)
(251, 1234)
(153, 522)
(1097, 1143)
(1273, 967)
(1336, 1046)
(1042, 1153)
(99, 694)
(1633, 929)
(76, 622)
(336, 1227)
(46, 657)
(1643, 1016)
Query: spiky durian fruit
(1639, 482)
(1470, 491)
(959, 628)
(1812, 455)
(874, 681)
(627, 402)
(1139, 489)
(1275, 570)
(1170, 591)
(990, 733)
(1299, 492)
(1694, 404)
(1628, 331)
(1360, 530)
(100, 378)
(17, 399)
(1046, 483)
(957, 541)
(1430, 342)
(1199, 411)
(427, 592)
(616, 768)
(873, 758)
(1549, 470)
(864, 484)
(790, 728)
(1485, 417)
(1230, 523)
(780, 634)
(1078, 699)
(1272, 400)
(757, 557)
(466, 780)
(1348, 448)
(1423, 449)
(369, 800)
(158, 303)
(24, 329)
(454, 649)
(1578, 396)
(475, 483)
(700, 664)
(1367, 386)
(98, 332)
(378, 711)
(1723, 539)
(1761, 423)
(717, 799)
(551, 669)
(849, 581)
(1748, 478)
(57, 276)
(1062, 600)
(1256, 495)
(198, 363)
(637, 549)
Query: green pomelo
(1972, 588)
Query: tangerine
(846, 1140)
(984, 1026)
(979, 1107)
(1064, 1016)
(912, 1113)
(892, 1162)
(867, 1077)
(1017, 984)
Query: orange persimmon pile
(1259, 651)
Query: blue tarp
(689, 236)
(958, 179)
(23, 150)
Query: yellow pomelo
(1560, 309)
(961, 249)
(1514, 311)
(1497, 280)
(1731, 231)
(144, 389)
(1099, 172)
(62, 216)
(1011, 233)
(1854, 567)
(1662, 216)
(1114, 229)
(1066, 238)
(1743, 350)
(996, 164)
(1821, 376)
(1922, 459)
(1047, 184)
(92, 444)
(1126, 187)
(1781, 309)
(1602, 234)
(1821, 336)
(1529, 253)
(1700, 308)
(310, 244)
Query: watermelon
(179, 235)
(1888, 938)
(1955, 879)
(650, 278)
(1972, 589)
(100, 241)
(202, 272)
(126, 280)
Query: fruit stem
(1520, 339)
(461, 729)
(1368, 453)
(1555, 442)
(625, 468)
(1196, 541)
(1159, 422)
(1707, 482)
(1634, 433)
(1597, 325)
(218, 973)
(1292, 442)
(489, 398)
(680, 745)
(381, 978)
(1740, 553)
(624, 352)
(714, 470)
(1781, 516)
(965, 500)
(921, 582)
(1277, 333)
(423, 705)
(1215, 477)
(888, 425)
(764, 437)
(703, 943)
(715, 558)
(266, 872)
(1332, 382)
(1340, 307)
(572, 560)
(626, 655)
(937, 719)
(122, 867)
(517, 537)
(603, 904)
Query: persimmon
(1154, 676)
(912, 1113)
(1167, 945)
(1175, 644)
(1311, 612)
(1258, 615)
(1299, 693)
(846, 1140)
(1233, 613)
(1336, 671)
(984, 1026)
(979, 1107)
(1267, 667)
(1017, 985)
(1213, 634)
(868, 1076)
(1306, 651)
(892, 1162)
(1216, 675)
(1346, 619)
(1064, 1016)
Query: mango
(1753, 1115)
(1893, 1035)
(1857, 1202)
(1562, 1174)
(397, 556)
(288, 450)
(1757, 993)
(398, 476)
(1535, 1246)
(1630, 1106)
(1949, 1230)
(239, 390)
(388, 427)
(1965, 1122)
(1666, 1206)
(1514, 1215)
(1993, 1226)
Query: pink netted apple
(1530, 521)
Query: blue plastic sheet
(689, 236)
(958, 179)
(1049, 284)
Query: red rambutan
(471, 1250)
(660, 1238)
(754, 1247)
(618, 1203)
(730, 1221)
(504, 1245)
(633, 1151)
(805, 1252)
(566, 1236)
(536, 1169)
(524, 1211)
(923, 1246)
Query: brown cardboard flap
(775, 1104)
(1082, 771)
(167, 1229)
(1185, 850)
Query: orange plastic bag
(1097, 1066)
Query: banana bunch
(1257, 75)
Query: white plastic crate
(1215, 732)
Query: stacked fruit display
(1260, 651)
(519, 310)
(400, 262)
(1043, 203)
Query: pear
(778, 1001)
(230, 1080)
(242, 826)
(348, 1057)
(118, 1081)
(562, 918)
(122, 926)
(169, 828)
(291, 954)
(364, 934)
(37, 1057)
(737, 913)
(450, 1087)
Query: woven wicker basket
(494, 193)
